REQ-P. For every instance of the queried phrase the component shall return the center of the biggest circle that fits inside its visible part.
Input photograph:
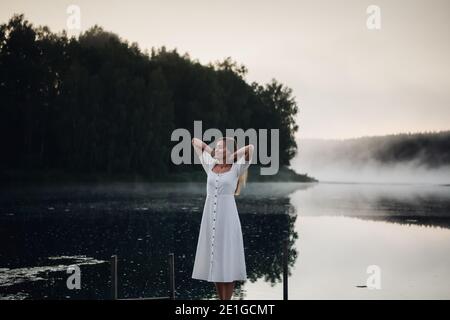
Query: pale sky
(349, 81)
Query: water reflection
(44, 230)
(335, 231)
(427, 205)
(344, 228)
(335, 252)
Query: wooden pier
(171, 289)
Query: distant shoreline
(285, 174)
(383, 183)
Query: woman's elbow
(196, 142)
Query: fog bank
(326, 161)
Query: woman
(220, 248)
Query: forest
(428, 149)
(97, 105)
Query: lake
(335, 232)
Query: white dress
(220, 247)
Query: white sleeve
(207, 161)
(243, 165)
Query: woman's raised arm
(200, 146)
(246, 151)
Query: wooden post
(171, 276)
(285, 268)
(114, 277)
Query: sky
(348, 80)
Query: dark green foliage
(97, 104)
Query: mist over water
(334, 230)
(395, 216)
(325, 161)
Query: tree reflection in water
(44, 230)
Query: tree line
(428, 149)
(96, 103)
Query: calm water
(335, 232)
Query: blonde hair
(243, 177)
(241, 182)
